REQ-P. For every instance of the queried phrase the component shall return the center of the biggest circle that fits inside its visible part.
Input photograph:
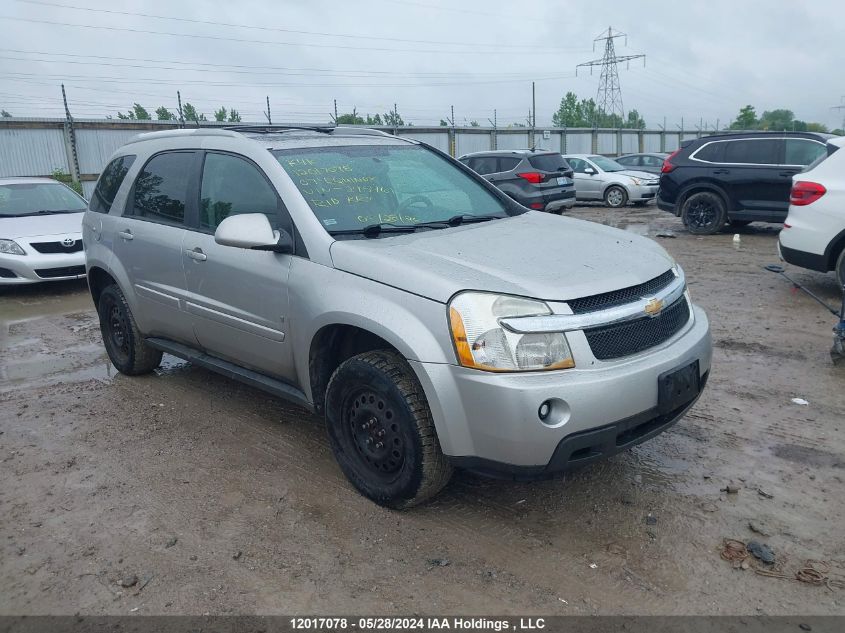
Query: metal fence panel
(88, 188)
(607, 143)
(552, 143)
(32, 152)
(468, 142)
(512, 140)
(630, 143)
(651, 142)
(95, 146)
(672, 141)
(579, 142)
(440, 140)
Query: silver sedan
(601, 178)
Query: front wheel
(615, 197)
(381, 430)
(124, 343)
(703, 213)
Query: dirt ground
(220, 499)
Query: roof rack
(270, 129)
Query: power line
(532, 47)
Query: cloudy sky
(704, 59)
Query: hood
(634, 173)
(40, 225)
(535, 255)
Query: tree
(234, 116)
(635, 121)
(220, 115)
(163, 114)
(351, 118)
(5, 114)
(137, 112)
(374, 120)
(444, 123)
(838, 132)
(393, 119)
(474, 124)
(746, 120)
(569, 114)
(190, 113)
(776, 120)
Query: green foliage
(838, 131)
(163, 114)
(63, 177)
(585, 113)
(444, 123)
(138, 112)
(746, 119)
(393, 119)
(221, 114)
(374, 120)
(474, 124)
(234, 116)
(4, 114)
(776, 120)
(190, 113)
(351, 118)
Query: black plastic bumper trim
(804, 259)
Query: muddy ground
(220, 499)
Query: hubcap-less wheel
(701, 214)
(370, 421)
(704, 213)
(117, 330)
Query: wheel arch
(699, 187)
(834, 249)
(98, 280)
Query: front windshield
(38, 197)
(607, 164)
(352, 187)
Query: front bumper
(641, 193)
(489, 422)
(37, 267)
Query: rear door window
(802, 151)
(549, 162)
(652, 161)
(160, 192)
(757, 151)
(711, 152)
(109, 183)
(507, 164)
(484, 165)
(628, 161)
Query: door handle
(721, 171)
(196, 254)
(126, 235)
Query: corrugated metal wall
(32, 152)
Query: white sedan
(40, 231)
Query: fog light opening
(544, 410)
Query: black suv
(537, 179)
(736, 178)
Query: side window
(756, 151)
(801, 151)
(109, 182)
(484, 165)
(231, 186)
(161, 189)
(712, 152)
(506, 164)
(652, 161)
(578, 165)
(629, 161)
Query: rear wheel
(703, 213)
(124, 343)
(615, 197)
(381, 430)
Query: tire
(704, 213)
(374, 398)
(840, 269)
(615, 197)
(123, 341)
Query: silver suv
(375, 280)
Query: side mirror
(252, 231)
(589, 170)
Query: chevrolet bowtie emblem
(653, 307)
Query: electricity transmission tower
(841, 108)
(609, 96)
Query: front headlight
(636, 181)
(10, 247)
(482, 343)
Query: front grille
(65, 271)
(620, 297)
(623, 339)
(50, 248)
(5, 273)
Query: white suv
(813, 235)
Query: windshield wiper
(45, 212)
(372, 230)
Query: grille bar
(50, 248)
(624, 339)
(65, 271)
(619, 297)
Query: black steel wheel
(703, 213)
(381, 430)
(123, 341)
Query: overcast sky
(704, 59)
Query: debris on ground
(759, 528)
(237, 555)
(665, 234)
(129, 581)
(439, 562)
(171, 542)
(761, 551)
(731, 489)
(650, 519)
(764, 494)
(734, 551)
(800, 401)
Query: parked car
(735, 178)
(377, 281)
(813, 235)
(602, 178)
(536, 179)
(40, 231)
(651, 163)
